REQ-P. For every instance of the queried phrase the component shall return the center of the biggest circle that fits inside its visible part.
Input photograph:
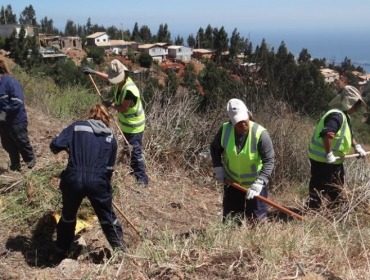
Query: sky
(330, 28)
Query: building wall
(7, 29)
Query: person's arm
(15, 97)
(112, 159)
(216, 149)
(267, 153)
(332, 124)
(102, 76)
(129, 101)
(62, 141)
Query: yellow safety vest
(242, 168)
(341, 143)
(133, 121)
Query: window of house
(104, 40)
(97, 40)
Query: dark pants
(137, 162)
(100, 195)
(14, 138)
(235, 205)
(326, 180)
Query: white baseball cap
(117, 72)
(237, 111)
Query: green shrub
(145, 60)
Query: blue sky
(340, 25)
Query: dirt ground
(171, 203)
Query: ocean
(334, 46)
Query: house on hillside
(203, 53)
(7, 29)
(60, 42)
(158, 51)
(97, 37)
(330, 75)
(101, 39)
(132, 45)
(180, 52)
(363, 79)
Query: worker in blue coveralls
(13, 121)
(92, 150)
(131, 115)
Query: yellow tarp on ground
(80, 225)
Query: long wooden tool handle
(273, 204)
(352, 156)
(101, 97)
(124, 216)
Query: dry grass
(181, 210)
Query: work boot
(15, 167)
(31, 164)
(56, 255)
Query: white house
(7, 29)
(180, 52)
(97, 37)
(157, 51)
(330, 75)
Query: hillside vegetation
(180, 212)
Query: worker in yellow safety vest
(248, 160)
(333, 138)
(131, 113)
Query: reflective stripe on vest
(133, 121)
(341, 141)
(244, 167)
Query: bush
(96, 53)
(145, 60)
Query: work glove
(2, 116)
(219, 174)
(360, 151)
(255, 189)
(88, 70)
(107, 103)
(330, 157)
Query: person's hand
(219, 174)
(88, 71)
(2, 116)
(360, 151)
(255, 189)
(330, 158)
(107, 103)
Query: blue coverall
(92, 153)
(13, 131)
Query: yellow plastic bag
(80, 225)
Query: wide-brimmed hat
(237, 111)
(116, 72)
(346, 98)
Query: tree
(172, 83)
(28, 16)
(96, 53)
(236, 44)
(189, 78)
(191, 41)
(145, 34)
(114, 33)
(248, 48)
(304, 56)
(70, 29)
(179, 41)
(46, 26)
(200, 38)
(135, 35)
(7, 16)
(145, 60)
(88, 27)
(221, 43)
(207, 42)
(163, 34)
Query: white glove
(360, 151)
(219, 174)
(2, 116)
(330, 158)
(255, 189)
